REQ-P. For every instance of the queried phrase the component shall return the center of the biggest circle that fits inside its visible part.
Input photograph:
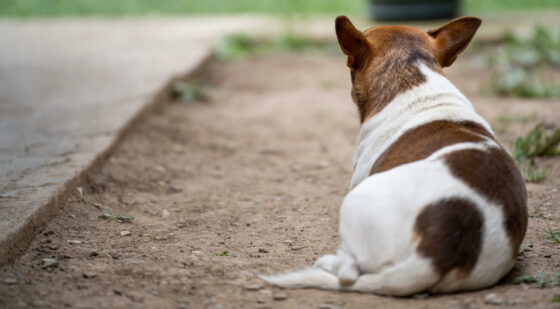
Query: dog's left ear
(452, 38)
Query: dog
(435, 203)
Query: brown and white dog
(435, 203)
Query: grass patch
(26, 8)
(541, 280)
(43, 8)
(519, 67)
(525, 247)
(551, 235)
(504, 121)
(188, 92)
(538, 143)
(79, 194)
(108, 215)
(225, 253)
(243, 45)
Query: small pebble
(10, 281)
(74, 241)
(253, 287)
(159, 168)
(165, 213)
(492, 299)
(328, 306)
(262, 250)
(515, 302)
(295, 248)
(279, 296)
(125, 233)
(48, 263)
(89, 275)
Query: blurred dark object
(390, 10)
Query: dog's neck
(395, 74)
(434, 99)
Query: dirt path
(249, 183)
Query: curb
(19, 240)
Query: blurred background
(54, 8)
(222, 131)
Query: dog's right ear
(352, 42)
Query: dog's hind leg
(341, 265)
(410, 276)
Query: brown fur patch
(420, 142)
(383, 59)
(452, 38)
(493, 174)
(450, 234)
(392, 67)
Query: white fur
(377, 217)
(436, 99)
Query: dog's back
(435, 202)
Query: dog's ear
(352, 42)
(452, 38)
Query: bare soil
(249, 183)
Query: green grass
(520, 67)
(540, 142)
(509, 5)
(551, 235)
(141, 7)
(241, 45)
(541, 280)
(49, 8)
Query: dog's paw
(327, 262)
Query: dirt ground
(249, 183)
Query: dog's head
(383, 60)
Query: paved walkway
(69, 87)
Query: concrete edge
(19, 241)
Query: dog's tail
(312, 277)
(317, 278)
